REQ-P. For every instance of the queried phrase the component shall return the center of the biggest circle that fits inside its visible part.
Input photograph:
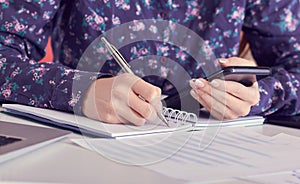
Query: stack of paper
(232, 154)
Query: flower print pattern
(122, 4)
(271, 27)
(288, 22)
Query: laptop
(18, 139)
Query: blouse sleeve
(24, 31)
(273, 31)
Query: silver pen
(126, 68)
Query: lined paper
(288, 177)
(232, 154)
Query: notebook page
(110, 130)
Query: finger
(217, 109)
(204, 103)
(211, 104)
(236, 106)
(204, 89)
(143, 108)
(236, 61)
(121, 106)
(149, 92)
(219, 103)
(203, 93)
(247, 94)
(130, 115)
(201, 90)
(235, 103)
(106, 113)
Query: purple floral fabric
(271, 27)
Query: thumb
(236, 61)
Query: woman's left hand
(226, 99)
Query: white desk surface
(65, 162)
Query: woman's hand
(118, 100)
(226, 99)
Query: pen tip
(166, 122)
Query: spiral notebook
(178, 121)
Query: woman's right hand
(118, 100)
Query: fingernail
(193, 93)
(197, 83)
(214, 83)
(222, 61)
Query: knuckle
(200, 93)
(139, 122)
(116, 92)
(254, 98)
(236, 90)
(127, 76)
(108, 118)
(205, 99)
(227, 100)
(109, 115)
(234, 59)
(230, 116)
(157, 91)
(244, 111)
(257, 98)
(194, 95)
(239, 111)
(146, 111)
(110, 112)
(154, 93)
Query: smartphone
(245, 75)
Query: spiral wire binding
(179, 116)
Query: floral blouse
(272, 28)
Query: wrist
(89, 107)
